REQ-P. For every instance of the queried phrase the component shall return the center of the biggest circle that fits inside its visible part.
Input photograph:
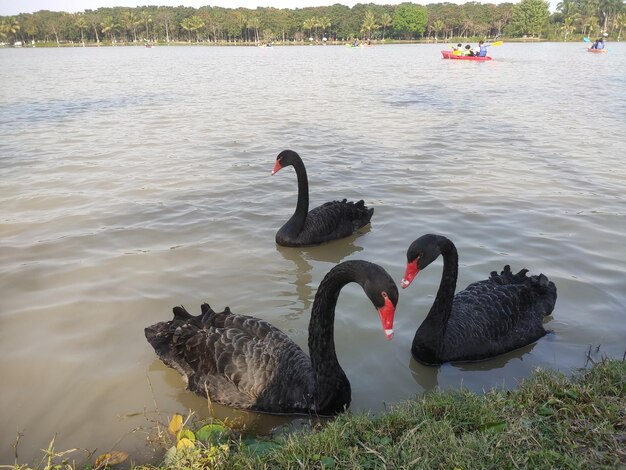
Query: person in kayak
(599, 44)
(468, 51)
(458, 50)
(481, 49)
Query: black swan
(330, 221)
(245, 362)
(488, 318)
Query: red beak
(409, 274)
(386, 314)
(276, 167)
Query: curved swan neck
(322, 352)
(302, 208)
(445, 294)
(433, 328)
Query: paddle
(497, 43)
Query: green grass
(548, 422)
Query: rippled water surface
(133, 180)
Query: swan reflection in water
(333, 252)
(456, 374)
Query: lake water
(133, 180)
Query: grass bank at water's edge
(548, 422)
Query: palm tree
(9, 26)
(93, 19)
(81, 23)
(192, 24)
(146, 19)
(324, 23)
(369, 23)
(385, 20)
(567, 7)
(109, 26)
(309, 24)
(438, 25)
(130, 21)
(568, 22)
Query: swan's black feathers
(236, 359)
(244, 362)
(488, 318)
(333, 220)
(330, 221)
(500, 314)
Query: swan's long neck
(330, 379)
(302, 208)
(437, 319)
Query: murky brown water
(133, 180)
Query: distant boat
(451, 55)
(148, 45)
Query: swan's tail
(539, 285)
(361, 214)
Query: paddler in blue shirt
(482, 49)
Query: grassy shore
(548, 422)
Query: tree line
(406, 21)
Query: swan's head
(285, 158)
(420, 254)
(383, 293)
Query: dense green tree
(530, 17)
(410, 19)
(572, 19)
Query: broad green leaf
(186, 434)
(328, 462)
(259, 447)
(176, 424)
(211, 432)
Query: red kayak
(450, 55)
(597, 50)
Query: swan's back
(330, 221)
(497, 315)
(238, 360)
